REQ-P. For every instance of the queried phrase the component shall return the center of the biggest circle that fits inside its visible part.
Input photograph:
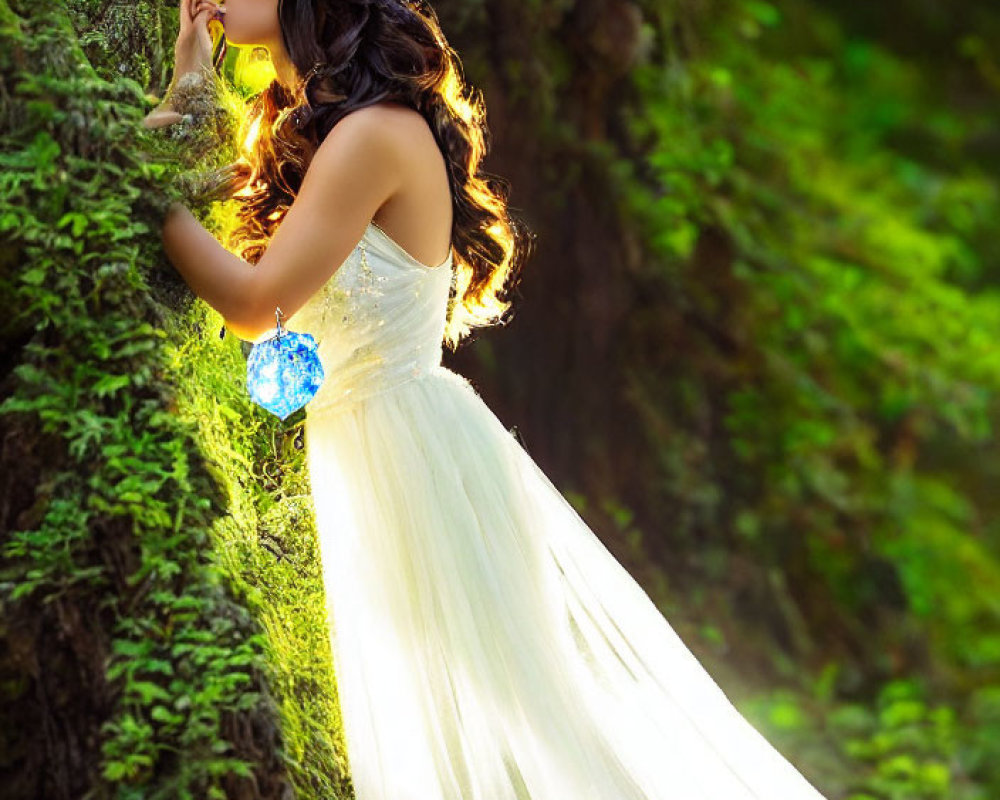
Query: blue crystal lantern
(284, 371)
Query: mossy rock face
(126, 40)
(132, 662)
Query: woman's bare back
(418, 217)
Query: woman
(486, 643)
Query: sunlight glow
(251, 137)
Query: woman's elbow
(248, 332)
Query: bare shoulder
(391, 113)
(382, 125)
(386, 139)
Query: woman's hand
(193, 48)
(192, 52)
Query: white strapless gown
(487, 645)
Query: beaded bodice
(378, 322)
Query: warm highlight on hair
(352, 53)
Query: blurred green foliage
(825, 208)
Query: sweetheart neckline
(406, 254)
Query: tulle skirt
(487, 645)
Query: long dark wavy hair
(350, 54)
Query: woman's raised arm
(356, 169)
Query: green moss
(154, 500)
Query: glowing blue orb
(284, 372)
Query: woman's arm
(354, 171)
(217, 276)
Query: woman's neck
(288, 76)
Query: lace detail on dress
(352, 295)
(379, 322)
